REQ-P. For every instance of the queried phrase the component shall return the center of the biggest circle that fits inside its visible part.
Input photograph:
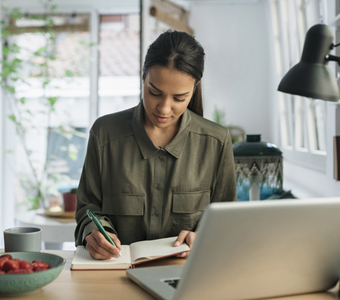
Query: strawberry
(2, 261)
(10, 265)
(38, 264)
(6, 255)
(24, 264)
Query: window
(119, 62)
(56, 131)
(302, 120)
(50, 100)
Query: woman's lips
(161, 119)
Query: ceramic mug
(22, 239)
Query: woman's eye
(179, 100)
(153, 94)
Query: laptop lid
(247, 250)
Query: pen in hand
(100, 227)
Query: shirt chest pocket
(123, 204)
(187, 209)
(190, 202)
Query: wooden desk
(102, 285)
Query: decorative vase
(257, 163)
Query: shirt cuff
(90, 226)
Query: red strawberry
(38, 264)
(10, 265)
(24, 264)
(6, 255)
(2, 261)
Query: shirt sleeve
(225, 186)
(89, 193)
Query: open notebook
(132, 255)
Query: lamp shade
(311, 77)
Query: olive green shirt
(141, 191)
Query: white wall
(235, 39)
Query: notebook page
(156, 248)
(83, 260)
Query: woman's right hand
(100, 248)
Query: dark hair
(181, 51)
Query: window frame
(297, 140)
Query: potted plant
(70, 200)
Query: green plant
(19, 65)
(219, 116)
(237, 133)
(74, 191)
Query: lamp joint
(333, 58)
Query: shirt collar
(145, 144)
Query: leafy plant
(18, 65)
(237, 133)
(219, 116)
(74, 191)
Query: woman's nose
(164, 107)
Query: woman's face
(166, 95)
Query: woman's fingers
(115, 240)
(187, 237)
(181, 238)
(100, 248)
(190, 239)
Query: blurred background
(65, 64)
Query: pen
(99, 225)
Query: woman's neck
(161, 136)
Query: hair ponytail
(196, 102)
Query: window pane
(302, 22)
(300, 124)
(276, 35)
(320, 121)
(51, 104)
(316, 125)
(119, 63)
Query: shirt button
(158, 187)
(160, 157)
(156, 213)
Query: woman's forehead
(163, 75)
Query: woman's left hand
(185, 237)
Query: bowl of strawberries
(26, 272)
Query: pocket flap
(190, 202)
(124, 204)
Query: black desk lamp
(311, 77)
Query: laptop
(249, 250)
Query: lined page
(156, 248)
(83, 260)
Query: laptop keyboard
(172, 282)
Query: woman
(151, 170)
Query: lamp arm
(333, 46)
(330, 57)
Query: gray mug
(22, 239)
